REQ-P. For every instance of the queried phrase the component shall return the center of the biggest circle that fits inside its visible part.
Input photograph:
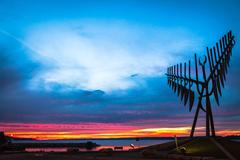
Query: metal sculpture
(208, 83)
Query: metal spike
(221, 71)
(168, 75)
(185, 84)
(223, 61)
(224, 40)
(216, 96)
(217, 79)
(186, 95)
(181, 86)
(171, 76)
(174, 87)
(214, 81)
(178, 85)
(182, 92)
(175, 84)
(218, 86)
(191, 101)
(229, 37)
(179, 89)
(189, 85)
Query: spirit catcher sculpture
(206, 82)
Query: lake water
(105, 143)
(64, 149)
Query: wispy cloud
(104, 55)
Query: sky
(96, 69)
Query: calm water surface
(106, 143)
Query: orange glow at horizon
(97, 130)
(148, 132)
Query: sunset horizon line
(140, 133)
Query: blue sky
(107, 60)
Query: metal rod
(196, 116)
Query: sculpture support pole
(207, 96)
(196, 116)
(211, 118)
(207, 121)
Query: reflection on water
(65, 149)
(46, 149)
(105, 143)
(102, 142)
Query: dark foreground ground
(197, 148)
(72, 156)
